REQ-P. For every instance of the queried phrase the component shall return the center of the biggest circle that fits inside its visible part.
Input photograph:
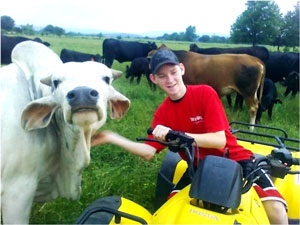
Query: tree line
(260, 23)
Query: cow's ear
(116, 73)
(38, 114)
(118, 104)
(47, 80)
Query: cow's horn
(46, 80)
(116, 73)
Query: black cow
(40, 41)
(269, 98)
(292, 83)
(280, 64)
(138, 67)
(8, 43)
(67, 55)
(124, 51)
(258, 51)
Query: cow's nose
(82, 96)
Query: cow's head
(152, 45)
(81, 91)
(128, 72)
(152, 52)
(193, 47)
(97, 58)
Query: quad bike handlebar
(278, 162)
(177, 141)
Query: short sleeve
(214, 114)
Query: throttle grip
(295, 161)
(149, 131)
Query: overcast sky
(131, 16)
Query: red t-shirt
(199, 111)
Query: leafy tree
(290, 30)
(217, 39)
(7, 23)
(50, 29)
(204, 38)
(258, 24)
(17, 29)
(59, 31)
(27, 29)
(190, 33)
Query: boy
(197, 111)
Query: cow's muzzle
(83, 99)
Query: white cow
(46, 128)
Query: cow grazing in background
(138, 67)
(280, 64)
(258, 51)
(124, 51)
(8, 43)
(292, 83)
(47, 126)
(269, 98)
(225, 73)
(67, 55)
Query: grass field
(113, 171)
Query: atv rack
(279, 139)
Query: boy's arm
(210, 140)
(140, 149)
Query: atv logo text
(209, 216)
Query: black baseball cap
(162, 57)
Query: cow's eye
(106, 79)
(56, 83)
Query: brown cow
(225, 73)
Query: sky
(131, 16)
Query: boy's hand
(101, 138)
(160, 132)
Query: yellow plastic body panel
(132, 208)
(178, 210)
(179, 170)
(289, 188)
(256, 148)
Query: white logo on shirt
(196, 119)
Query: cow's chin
(85, 118)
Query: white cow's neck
(74, 157)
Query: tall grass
(113, 171)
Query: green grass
(113, 171)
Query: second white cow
(46, 128)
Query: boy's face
(169, 79)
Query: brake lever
(173, 143)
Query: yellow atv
(218, 193)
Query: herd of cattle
(44, 153)
(241, 69)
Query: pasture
(113, 171)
